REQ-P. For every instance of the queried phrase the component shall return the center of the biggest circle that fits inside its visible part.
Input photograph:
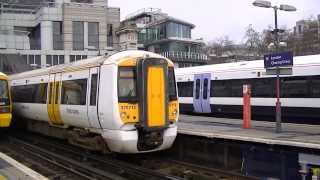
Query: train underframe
(106, 141)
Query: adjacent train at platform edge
(5, 102)
(218, 89)
(125, 103)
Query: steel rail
(116, 165)
(72, 165)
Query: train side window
(57, 92)
(315, 90)
(185, 89)
(220, 88)
(205, 89)
(74, 92)
(93, 90)
(236, 88)
(50, 91)
(294, 87)
(41, 93)
(23, 94)
(172, 85)
(197, 88)
(263, 87)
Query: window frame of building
(52, 60)
(109, 35)
(32, 59)
(78, 35)
(57, 34)
(74, 58)
(93, 35)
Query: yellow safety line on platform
(34, 175)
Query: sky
(216, 18)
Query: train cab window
(4, 93)
(185, 89)
(93, 90)
(74, 92)
(294, 87)
(127, 89)
(172, 85)
(315, 90)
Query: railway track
(194, 171)
(83, 164)
(90, 165)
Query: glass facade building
(172, 39)
(164, 31)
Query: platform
(297, 135)
(11, 169)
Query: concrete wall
(86, 13)
(113, 15)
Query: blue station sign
(278, 60)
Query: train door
(156, 96)
(154, 110)
(201, 93)
(93, 97)
(53, 100)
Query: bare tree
(253, 41)
(220, 46)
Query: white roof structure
(257, 64)
(91, 62)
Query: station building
(152, 30)
(42, 33)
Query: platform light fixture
(285, 7)
(261, 3)
(277, 44)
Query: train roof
(3, 76)
(256, 64)
(86, 63)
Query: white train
(217, 89)
(124, 103)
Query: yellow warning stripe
(54, 103)
(50, 106)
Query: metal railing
(180, 55)
(24, 8)
(144, 10)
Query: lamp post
(283, 7)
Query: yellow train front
(148, 101)
(125, 103)
(5, 102)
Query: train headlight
(173, 110)
(123, 114)
(4, 109)
(129, 113)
